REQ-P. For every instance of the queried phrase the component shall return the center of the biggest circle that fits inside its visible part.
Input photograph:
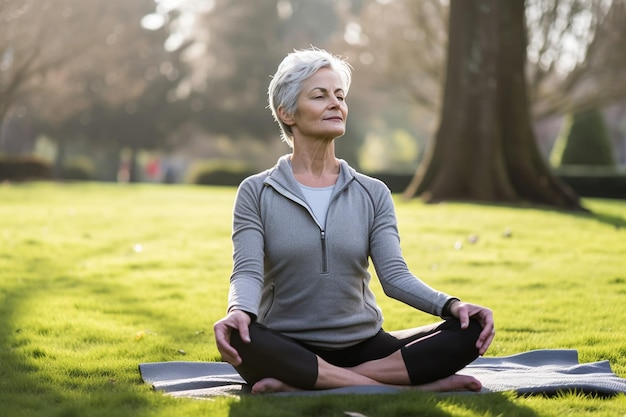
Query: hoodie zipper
(324, 253)
(287, 193)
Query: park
(99, 278)
(123, 142)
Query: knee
(251, 368)
(472, 331)
(247, 349)
(465, 339)
(474, 328)
(270, 354)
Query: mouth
(334, 119)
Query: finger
(464, 318)
(229, 354)
(232, 357)
(485, 344)
(222, 340)
(244, 332)
(485, 338)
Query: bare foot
(269, 385)
(452, 383)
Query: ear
(285, 117)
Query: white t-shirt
(318, 199)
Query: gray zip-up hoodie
(312, 283)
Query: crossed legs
(425, 358)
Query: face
(321, 107)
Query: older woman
(300, 311)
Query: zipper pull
(324, 253)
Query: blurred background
(174, 91)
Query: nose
(334, 102)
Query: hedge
(584, 140)
(586, 183)
(24, 169)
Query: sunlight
(153, 21)
(284, 8)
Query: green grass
(95, 279)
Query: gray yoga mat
(544, 372)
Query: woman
(300, 311)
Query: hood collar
(283, 174)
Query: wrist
(446, 311)
(250, 315)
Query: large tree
(485, 148)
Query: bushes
(596, 185)
(28, 168)
(229, 173)
(79, 168)
(24, 169)
(584, 140)
(583, 157)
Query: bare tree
(575, 54)
(36, 38)
(90, 74)
(58, 56)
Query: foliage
(395, 152)
(603, 184)
(64, 51)
(24, 169)
(87, 72)
(405, 41)
(221, 172)
(78, 168)
(584, 140)
(563, 79)
(99, 278)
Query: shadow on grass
(22, 390)
(619, 222)
(70, 359)
(36, 380)
(409, 404)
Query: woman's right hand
(235, 320)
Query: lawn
(97, 278)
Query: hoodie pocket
(268, 310)
(369, 301)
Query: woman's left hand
(465, 311)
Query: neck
(315, 165)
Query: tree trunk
(485, 148)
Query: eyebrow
(323, 90)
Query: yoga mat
(545, 372)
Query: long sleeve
(246, 281)
(396, 279)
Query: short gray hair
(296, 67)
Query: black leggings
(430, 353)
